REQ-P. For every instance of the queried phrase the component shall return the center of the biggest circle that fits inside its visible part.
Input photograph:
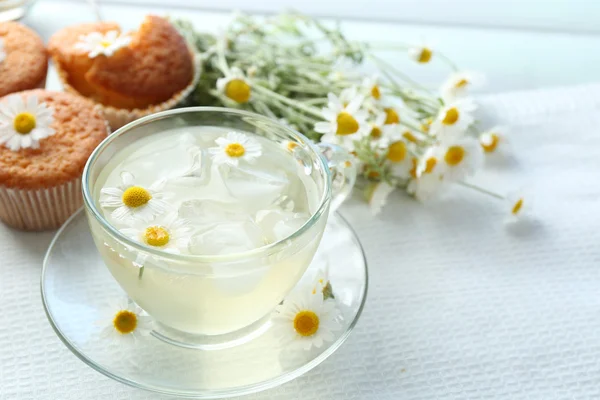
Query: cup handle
(343, 172)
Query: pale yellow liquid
(215, 297)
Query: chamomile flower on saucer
(2, 52)
(345, 123)
(400, 159)
(453, 119)
(322, 284)
(235, 86)
(235, 147)
(167, 232)
(132, 201)
(458, 159)
(124, 322)
(458, 84)
(23, 123)
(421, 54)
(107, 44)
(494, 141)
(306, 320)
(377, 195)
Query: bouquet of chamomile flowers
(309, 76)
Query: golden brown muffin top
(151, 69)
(79, 127)
(26, 62)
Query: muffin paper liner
(117, 117)
(41, 209)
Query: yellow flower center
(454, 155)
(156, 236)
(346, 124)
(125, 322)
(391, 116)
(451, 116)
(24, 123)
(491, 146)
(105, 43)
(235, 150)
(306, 323)
(430, 165)
(517, 206)
(397, 151)
(410, 137)
(347, 164)
(461, 83)
(376, 132)
(136, 196)
(238, 90)
(291, 146)
(425, 55)
(375, 92)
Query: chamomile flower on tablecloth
(517, 205)
(400, 159)
(427, 178)
(23, 123)
(344, 124)
(96, 43)
(458, 159)
(235, 147)
(132, 201)
(494, 141)
(306, 320)
(167, 232)
(458, 84)
(124, 322)
(453, 119)
(235, 86)
(377, 195)
(421, 54)
(2, 51)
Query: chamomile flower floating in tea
(131, 200)
(167, 232)
(459, 158)
(23, 123)
(235, 86)
(235, 147)
(306, 320)
(453, 119)
(96, 43)
(345, 123)
(125, 322)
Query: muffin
(23, 59)
(129, 75)
(45, 141)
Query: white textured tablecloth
(459, 307)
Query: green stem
(384, 64)
(447, 61)
(481, 190)
(307, 109)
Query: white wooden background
(518, 44)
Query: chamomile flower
(421, 54)
(453, 119)
(235, 147)
(345, 124)
(96, 43)
(322, 284)
(371, 88)
(2, 52)
(24, 122)
(167, 232)
(132, 201)
(429, 179)
(458, 159)
(306, 320)
(400, 159)
(458, 84)
(377, 195)
(379, 131)
(517, 205)
(125, 322)
(348, 94)
(493, 141)
(235, 86)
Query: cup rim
(267, 249)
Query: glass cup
(221, 294)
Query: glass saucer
(77, 288)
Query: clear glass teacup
(216, 294)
